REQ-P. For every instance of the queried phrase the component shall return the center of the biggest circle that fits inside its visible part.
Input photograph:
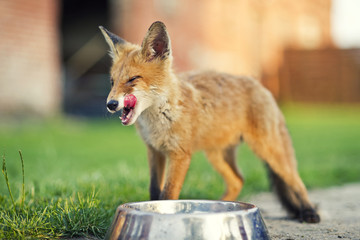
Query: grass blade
(23, 179)
(4, 171)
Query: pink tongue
(130, 101)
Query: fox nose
(112, 105)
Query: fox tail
(292, 201)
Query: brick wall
(326, 75)
(240, 37)
(29, 58)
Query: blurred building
(53, 57)
(29, 58)
(321, 75)
(236, 36)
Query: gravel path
(339, 209)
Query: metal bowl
(187, 219)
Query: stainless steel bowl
(187, 219)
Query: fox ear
(156, 43)
(112, 40)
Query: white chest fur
(155, 127)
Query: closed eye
(133, 79)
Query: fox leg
(230, 157)
(157, 162)
(276, 149)
(224, 162)
(178, 166)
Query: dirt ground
(339, 209)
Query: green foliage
(53, 218)
(326, 141)
(77, 172)
(49, 218)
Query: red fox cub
(177, 115)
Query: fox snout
(128, 108)
(112, 105)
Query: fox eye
(133, 79)
(112, 82)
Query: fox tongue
(127, 111)
(130, 101)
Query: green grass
(77, 172)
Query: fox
(179, 114)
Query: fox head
(139, 74)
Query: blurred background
(53, 59)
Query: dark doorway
(84, 57)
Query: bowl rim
(129, 210)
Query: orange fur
(177, 115)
